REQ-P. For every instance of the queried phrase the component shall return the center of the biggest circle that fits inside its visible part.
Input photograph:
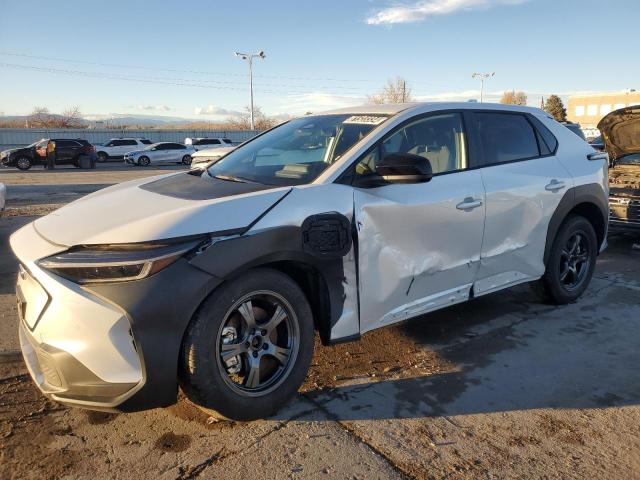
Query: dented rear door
(418, 245)
(524, 186)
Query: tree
(71, 118)
(555, 108)
(40, 118)
(395, 91)
(242, 121)
(514, 98)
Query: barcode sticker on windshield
(365, 119)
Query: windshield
(296, 152)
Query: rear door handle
(469, 203)
(554, 185)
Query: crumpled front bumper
(79, 348)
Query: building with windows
(588, 110)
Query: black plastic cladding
(285, 245)
(159, 309)
(161, 306)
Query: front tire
(248, 347)
(144, 161)
(23, 163)
(571, 262)
(186, 160)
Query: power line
(226, 74)
(208, 84)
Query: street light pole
(482, 77)
(249, 58)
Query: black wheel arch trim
(286, 248)
(574, 198)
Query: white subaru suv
(118, 147)
(342, 222)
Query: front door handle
(554, 185)
(469, 203)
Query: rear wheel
(23, 163)
(186, 160)
(102, 157)
(571, 262)
(144, 161)
(247, 349)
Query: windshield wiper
(231, 178)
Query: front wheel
(186, 160)
(144, 161)
(571, 262)
(23, 163)
(248, 347)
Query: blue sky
(176, 58)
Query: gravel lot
(501, 387)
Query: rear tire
(264, 364)
(102, 157)
(24, 163)
(571, 262)
(144, 161)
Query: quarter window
(506, 137)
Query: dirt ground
(501, 387)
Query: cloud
(150, 108)
(418, 11)
(214, 110)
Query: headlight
(116, 263)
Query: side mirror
(404, 168)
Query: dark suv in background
(68, 152)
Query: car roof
(418, 107)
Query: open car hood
(621, 131)
(158, 208)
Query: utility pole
(249, 58)
(482, 77)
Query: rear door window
(506, 137)
(145, 142)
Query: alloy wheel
(257, 343)
(23, 163)
(574, 261)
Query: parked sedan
(162, 152)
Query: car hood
(157, 208)
(9, 151)
(621, 131)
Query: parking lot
(501, 387)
